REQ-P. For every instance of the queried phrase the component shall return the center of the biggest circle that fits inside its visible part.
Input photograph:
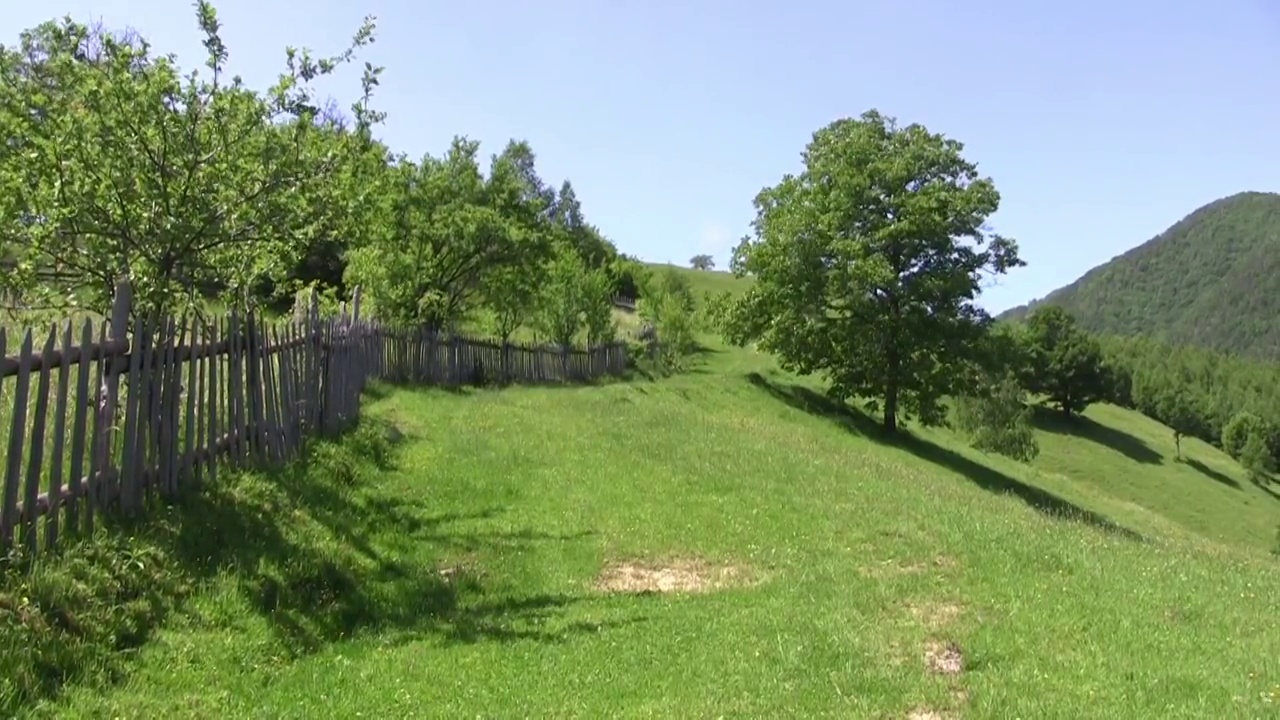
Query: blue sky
(1102, 123)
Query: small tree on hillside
(1177, 410)
(1242, 427)
(1065, 363)
(997, 419)
(702, 262)
(673, 325)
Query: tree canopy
(194, 186)
(702, 262)
(868, 262)
(1063, 362)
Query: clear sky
(1102, 123)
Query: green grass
(453, 574)
(704, 281)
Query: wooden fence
(115, 419)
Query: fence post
(109, 393)
(315, 362)
(358, 349)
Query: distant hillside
(1212, 280)
(708, 281)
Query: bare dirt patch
(943, 658)
(935, 615)
(677, 576)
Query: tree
(667, 306)
(867, 265)
(119, 164)
(510, 291)
(597, 306)
(1177, 410)
(1240, 429)
(448, 230)
(1065, 363)
(1256, 458)
(562, 297)
(702, 262)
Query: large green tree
(868, 262)
(450, 226)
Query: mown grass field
(451, 566)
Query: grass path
(455, 575)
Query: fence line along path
(106, 417)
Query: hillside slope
(1212, 280)
(860, 578)
(707, 281)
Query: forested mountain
(1212, 280)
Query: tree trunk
(890, 423)
(891, 386)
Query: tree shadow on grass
(854, 420)
(323, 553)
(1053, 421)
(1264, 484)
(1215, 475)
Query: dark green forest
(1212, 280)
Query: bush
(1240, 429)
(668, 306)
(1256, 458)
(997, 420)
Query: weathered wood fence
(115, 418)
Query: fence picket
(17, 436)
(55, 495)
(76, 487)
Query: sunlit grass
(458, 579)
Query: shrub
(997, 420)
(1256, 458)
(1238, 431)
(669, 307)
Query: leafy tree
(702, 262)
(120, 165)
(448, 229)
(1065, 363)
(996, 419)
(510, 291)
(563, 297)
(597, 307)
(1177, 410)
(668, 307)
(1256, 458)
(1238, 431)
(627, 275)
(861, 268)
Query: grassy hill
(791, 563)
(1212, 280)
(707, 281)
